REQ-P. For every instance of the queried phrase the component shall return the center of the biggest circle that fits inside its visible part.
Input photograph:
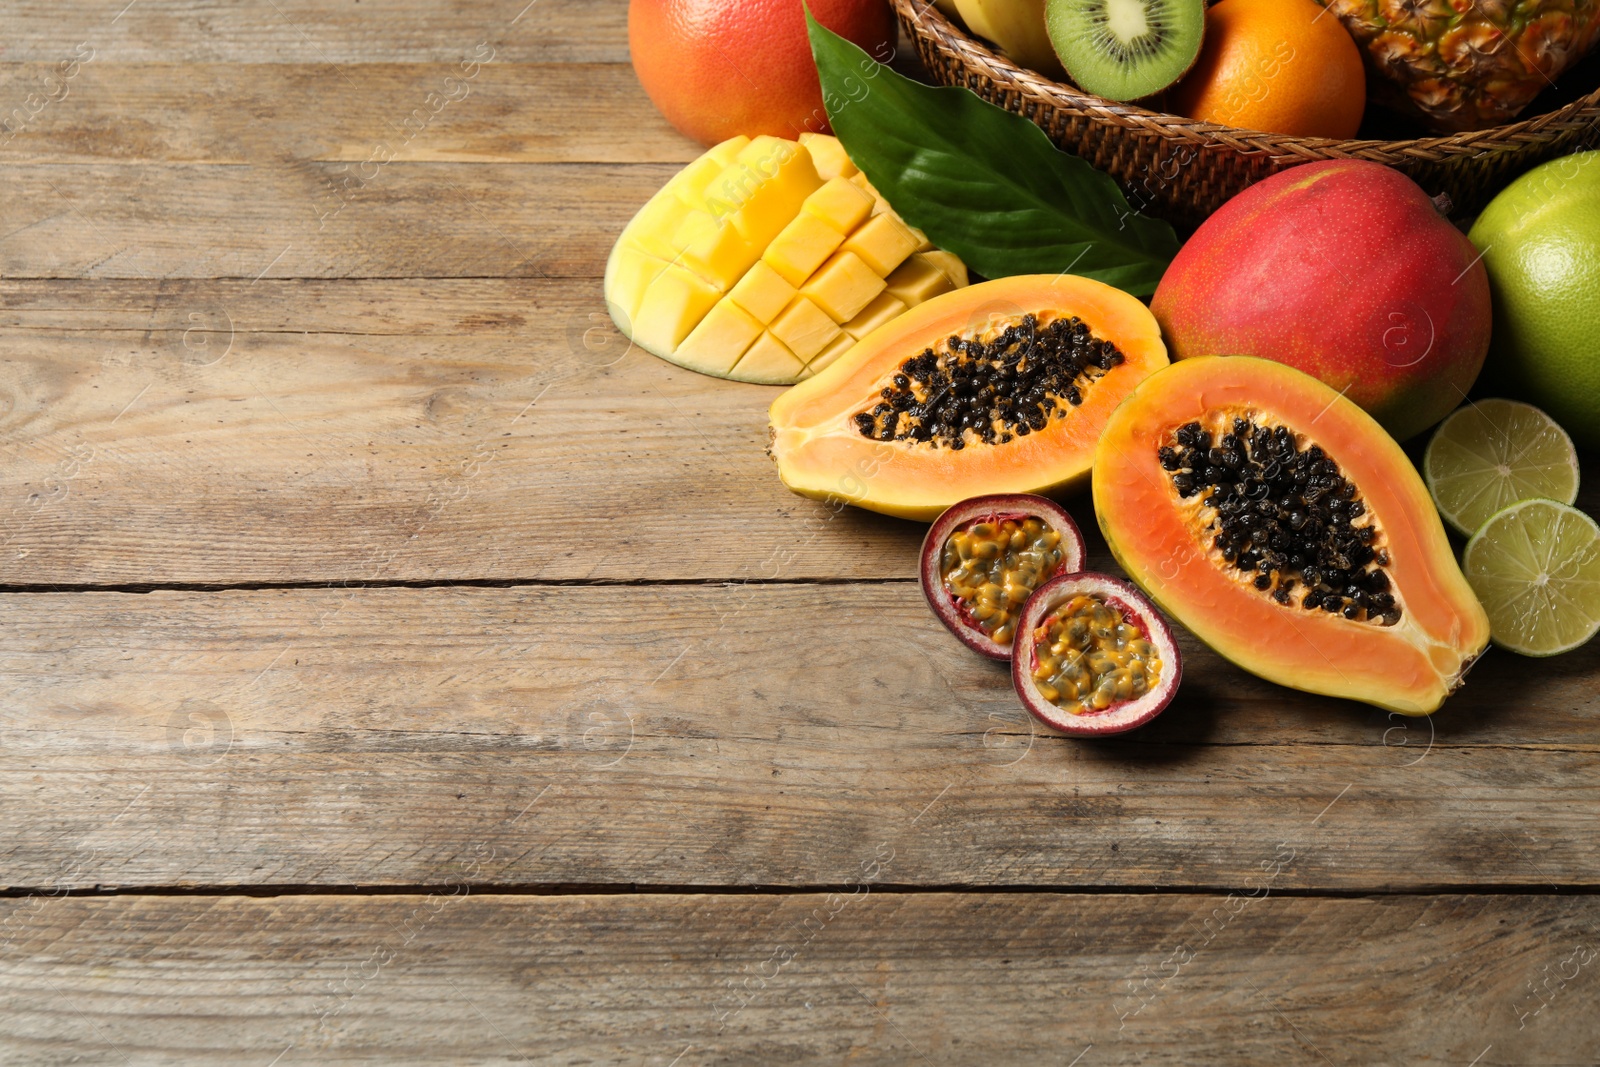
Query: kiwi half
(1126, 49)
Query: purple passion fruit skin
(1093, 656)
(997, 550)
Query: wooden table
(399, 669)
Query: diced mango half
(765, 259)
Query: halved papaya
(1282, 525)
(1002, 387)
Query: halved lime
(1491, 454)
(1536, 569)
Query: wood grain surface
(859, 976)
(725, 735)
(228, 432)
(396, 668)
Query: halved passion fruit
(1093, 656)
(984, 557)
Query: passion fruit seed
(1009, 386)
(991, 566)
(1089, 655)
(1285, 514)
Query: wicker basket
(1182, 170)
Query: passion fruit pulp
(1093, 656)
(985, 556)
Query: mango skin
(1344, 270)
(719, 68)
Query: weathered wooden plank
(388, 431)
(228, 432)
(366, 115)
(741, 735)
(859, 976)
(306, 31)
(292, 218)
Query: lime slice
(1493, 453)
(1536, 569)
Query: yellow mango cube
(692, 182)
(829, 155)
(883, 243)
(805, 243)
(843, 286)
(653, 229)
(714, 346)
(840, 204)
(917, 280)
(885, 308)
(804, 328)
(673, 305)
(861, 179)
(769, 361)
(841, 344)
(949, 263)
(728, 150)
(628, 275)
(716, 251)
(763, 293)
(772, 204)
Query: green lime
(1536, 569)
(1540, 240)
(1493, 453)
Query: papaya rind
(821, 455)
(1409, 668)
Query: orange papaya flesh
(1404, 649)
(1025, 433)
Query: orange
(720, 68)
(1278, 66)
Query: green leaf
(984, 183)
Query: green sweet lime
(1540, 240)
(1536, 569)
(1490, 454)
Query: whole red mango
(720, 68)
(1345, 270)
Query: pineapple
(1468, 64)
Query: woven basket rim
(922, 17)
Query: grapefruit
(1540, 240)
(721, 68)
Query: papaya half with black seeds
(1280, 523)
(1001, 387)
